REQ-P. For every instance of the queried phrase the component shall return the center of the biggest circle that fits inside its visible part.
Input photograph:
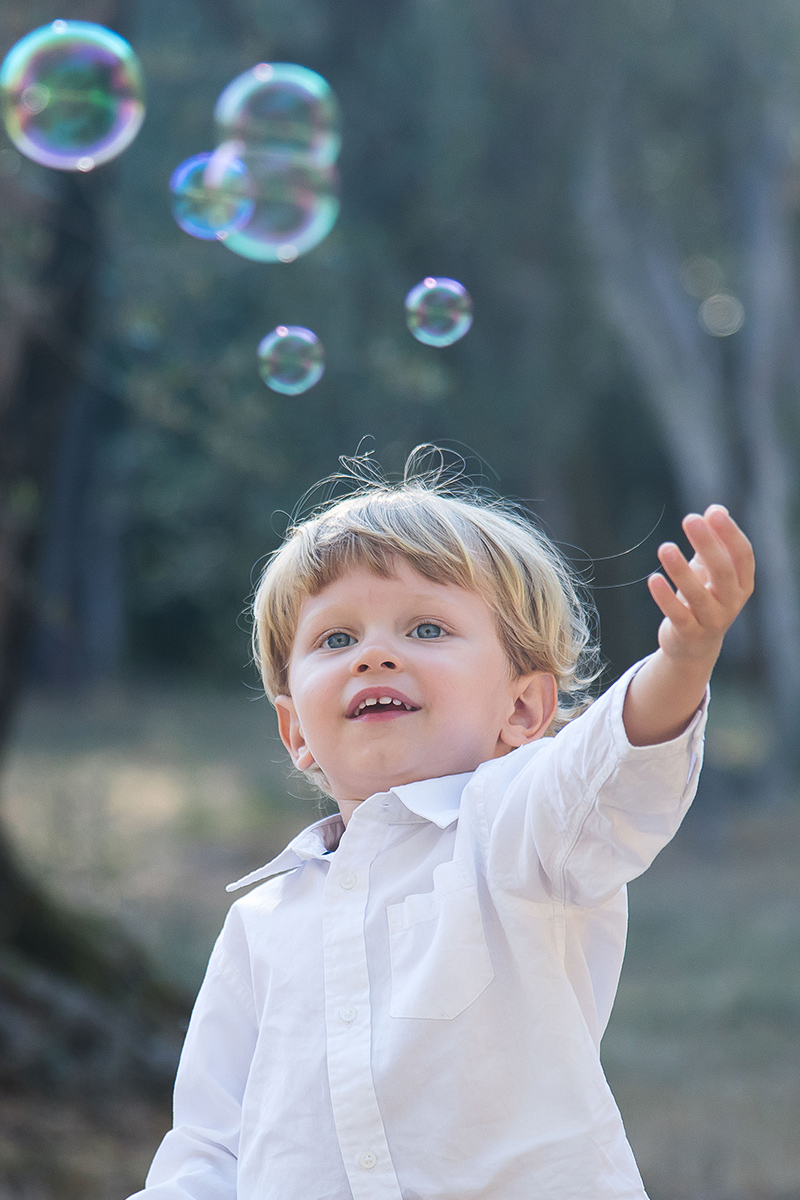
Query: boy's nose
(373, 656)
(366, 666)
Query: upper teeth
(372, 700)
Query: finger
(686, 578)
(737, 542)
(670, 603)
(712, 553)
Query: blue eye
(427, 630)
(338, 641)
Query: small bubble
(721, 315)
(85, 164)
(438, 311)
(291, 359)
(211, 195)
(59, 27)
(287, 253)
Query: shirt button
(347, 1014)
(348, 881)
(367, 1160)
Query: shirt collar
(435, 800)
(312, 842)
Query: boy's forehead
(402, 582)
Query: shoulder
(501, 772)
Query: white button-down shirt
(413, 1009)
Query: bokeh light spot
(701, 276)
(721, 315)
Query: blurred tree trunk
(717, 400)
(78, 1003)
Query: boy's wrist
(663, 697)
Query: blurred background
(618, 187)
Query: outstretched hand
(711, 589)
(710, 592)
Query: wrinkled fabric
(411, 1008)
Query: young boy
(410, 1006)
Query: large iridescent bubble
(291, 359)
(287, 110)
(438, 311)
(72, 95)
(211, 202)
(296, 204)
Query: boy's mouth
(378, 701)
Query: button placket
(359, 1125)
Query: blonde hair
(450, 533)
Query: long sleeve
(591, 810)
(198, 1158)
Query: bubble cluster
(438, 311)
(295, 205)
(279, 131)
(72, 95)
(291, 359)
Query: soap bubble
(291, 359)
(72, 95)
(282, 122)
(438, 311)
(211, 202)
(285, 109)
(296, 205)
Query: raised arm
(711, 591)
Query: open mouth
(382, 705)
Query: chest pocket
(440, 962)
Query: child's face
(432, 651)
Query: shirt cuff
(691, 736)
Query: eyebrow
(415, 604)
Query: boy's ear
(535, 707)
(292, 733)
